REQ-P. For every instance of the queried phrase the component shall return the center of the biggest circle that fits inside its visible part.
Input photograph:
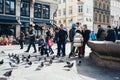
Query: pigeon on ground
(69, 65)
(79, 63)
(51, 61)
(2, 52)
(38, 68)
(41, 65)
(68, 62)
(8, 73)
(12, 65)
(30, 63)
(53, 57)
(1, 62)
(29, 56)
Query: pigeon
(69, 65)
(37, 69)
(1, 62)
(12, 65)
(68, 62)
(45, 59)
(53, 57)
(50, 62)
(29, 56)
(79, 63)
(2, 52)
(41, 65)
(18, 60)
(30, 63)
(8, 73)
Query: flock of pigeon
(15, 60)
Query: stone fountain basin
(105, 48)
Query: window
(64, 21)
(108, 18)
(46, 11)
(64, 11)
(64, 1)
(95, 17)
(70, 10)
(59, 12)
(10, 7)
(59, 1)
(37, 10)
(1, 6)
(59, 21)
(103, 18)
(25, 8)
(99, 17)
(80, 8)
(99, 5)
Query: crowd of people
(78, 35)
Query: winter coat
(111, 36)
(71, 34)
(86, 35)
(101, 34)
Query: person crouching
(42, 46)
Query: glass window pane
(46, 11)
(1, 6)
(10, 7)
(37, 10)
(25, 8)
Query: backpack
(78, 40)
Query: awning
(5, 21)
(8, 20)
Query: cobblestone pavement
(86, 71)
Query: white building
(73, 11)
(115, 12)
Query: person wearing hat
(31, 39)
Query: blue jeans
(33, 44)
(61, 46)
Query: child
(42, 46)
(77, 43)
(92, 36)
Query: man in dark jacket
(62, 37)
(100, 34)
(72, 33)
(86, 36)
(111, 36)
(31, 39)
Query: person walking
(31, 39)
(22, 36)
(85, 33)
(111, 35)
(62, 37)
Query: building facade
(115, 13)
(90, 12)
(16, 15)
(101, 13)
(72, 11)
